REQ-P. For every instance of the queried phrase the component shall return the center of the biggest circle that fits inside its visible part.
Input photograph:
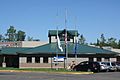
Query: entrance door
(12, 61)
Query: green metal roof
(52, 48)
(11, 50)
(70, 32)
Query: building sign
(59, 59)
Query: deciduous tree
(11, 33)
(20, 35)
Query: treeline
(102, 42)
(13, 35)
(111, 42)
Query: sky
(91, 17)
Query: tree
(82, 39)
(98, 42)
(20, 35)
(119, 44)
(112, 42)
(30, 38)
(102, 41)
(2, 38)
(11, 33)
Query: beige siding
(32, 43)
(23, 44)
(116, 50)
(35, 65)
(113, 59)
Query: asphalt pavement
(58, 76)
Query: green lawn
(38, 69)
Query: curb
(74, 72)
(47, 72)
(14, 71)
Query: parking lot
(54, 76)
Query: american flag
(65, 37)
(76, 46)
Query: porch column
(41, 59)
(3, 63)
(33, 59)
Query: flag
(65, 37)
(66, 43)
(59, 44)
(76, 43)
(75, 46)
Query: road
(56, 76)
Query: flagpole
(66, 53)
(59, 46)
(57, 42)
(57, 52)
(75, 41)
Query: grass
(38, 69)
(48, 70)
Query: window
(29, 59)
(62, 37)
(107, 59)
(37, 59)
(45, 59)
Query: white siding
(22, 60)
(53, 39)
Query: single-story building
(44, 56)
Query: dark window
(45, 59)
(29, 59)
(107, 59)
(37, 59)
(62, 37)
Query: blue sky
(36, 17)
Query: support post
(4, 63)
